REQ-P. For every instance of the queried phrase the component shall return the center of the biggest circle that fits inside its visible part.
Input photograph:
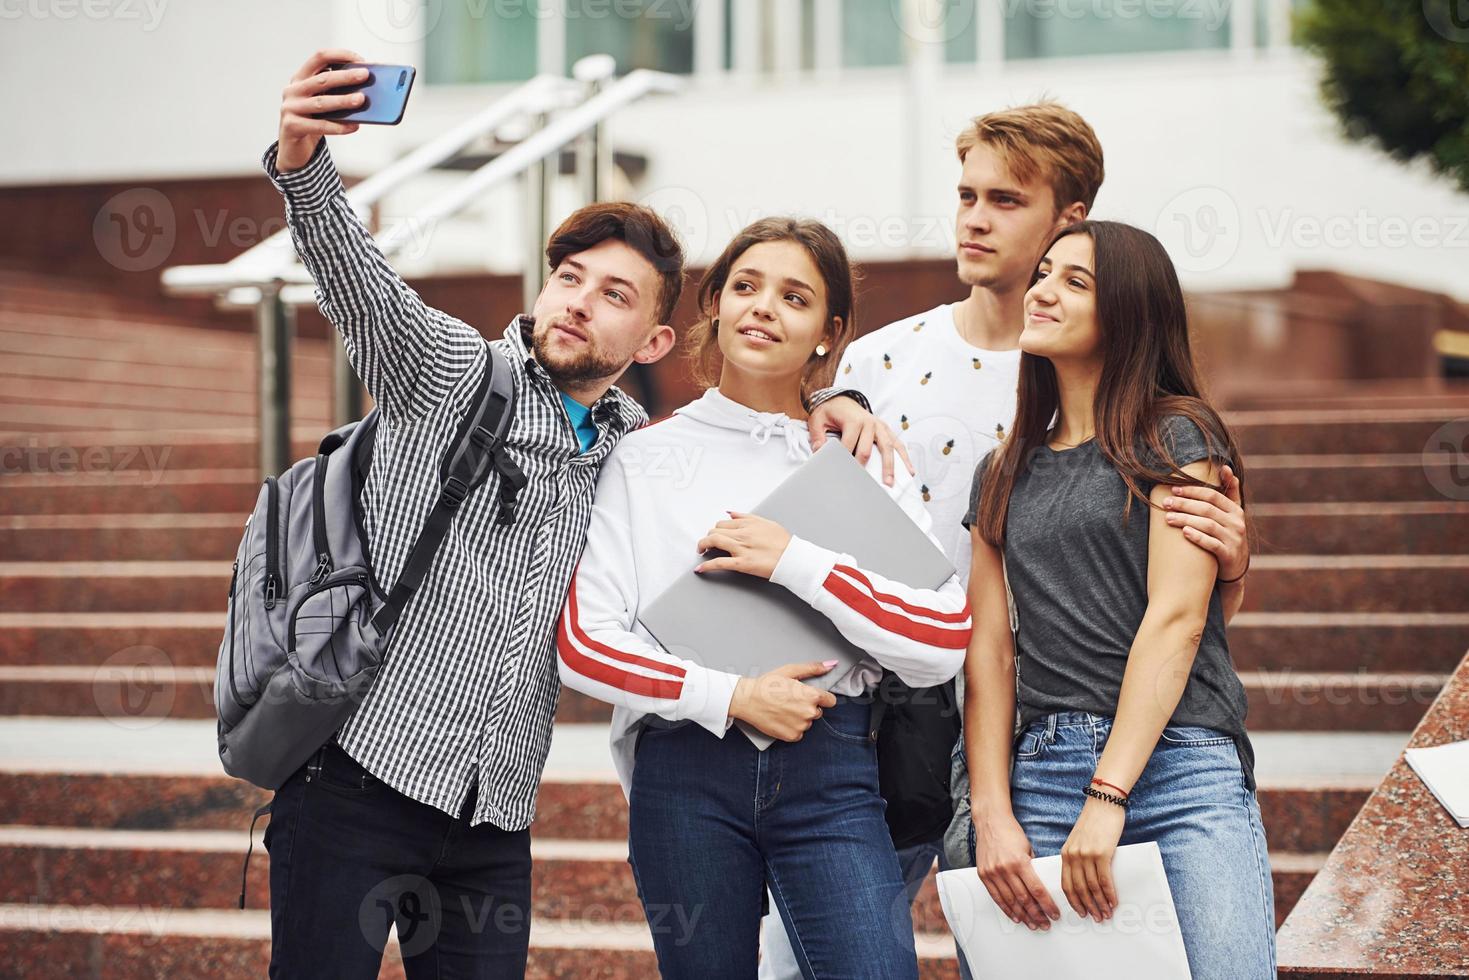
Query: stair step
(1411, 527)
(94, 942)
(1368, 478)
(1316, 642)
(1402, 527)
(1345, 430)
(209, 349)
(1277, 583)
(1357, 583)
(1309, 815)
(310, 407)
(575, 880)
(120, 537)
(138, 686)
(233, 447)
(1337, 641)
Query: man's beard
(590, 364)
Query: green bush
(1397, 75)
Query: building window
(659, 34)
(1066, 28)
(491, 42)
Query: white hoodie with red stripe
(660, 491)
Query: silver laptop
(746, 625)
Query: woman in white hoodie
(712, 820)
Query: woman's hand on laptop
(754, 545)
(778, 703)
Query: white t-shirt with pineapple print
(949, 401)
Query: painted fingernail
(829, 663)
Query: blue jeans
(350, 856)
(778, 960)
(712, 822)
(1191, 799)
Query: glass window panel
(871, 35)
(481, 43)
(658, 35)
(1064, 28)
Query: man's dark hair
(639, 227)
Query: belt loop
(1050, 728)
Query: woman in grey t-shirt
(1132, 715)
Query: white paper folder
(1141, 941)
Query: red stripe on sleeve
(936, 636)
(606, 673)
(943, 617)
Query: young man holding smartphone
(418, 810)
(945, 379)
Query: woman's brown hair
(1147, 375)
(701, 343)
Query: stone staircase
(128, 468)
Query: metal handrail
(253, 268)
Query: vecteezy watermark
(1449, 18)
(675, 465)
(1446, 459)
(685, 212)
(96, 919)
(934, 20)
(134, 688)
(148, 12)
(890, 232)
(135, 230)
(138, 230)
(1202, 229)
(36, 458)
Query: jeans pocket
(342, 774)
(848, 721)
(1029, 745)
(1194, 735)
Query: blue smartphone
(385, 95)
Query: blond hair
(1045, 140)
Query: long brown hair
(1147, 375)
(701, 343)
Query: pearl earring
(820, 350)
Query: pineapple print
(918, 326)
(926, 497)
(977, 365)
(948, 447)
(903, 422)
(924, 379)
(887, 362)
(1000, 432)
(848, 369)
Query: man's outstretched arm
(408, 354)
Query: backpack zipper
(234, 686)
(358, 578)
(318, 521)
(272, 528)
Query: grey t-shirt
(1079, 575)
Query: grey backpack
(309, 624)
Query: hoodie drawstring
(798, 446)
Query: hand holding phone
(384, 94)
(305, 97)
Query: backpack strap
(479, 448)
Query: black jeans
(349, 856)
